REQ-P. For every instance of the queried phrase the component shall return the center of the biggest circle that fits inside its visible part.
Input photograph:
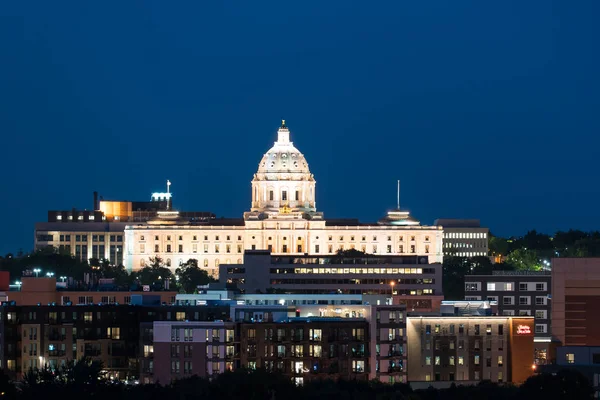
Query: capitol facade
(283, 218)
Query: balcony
(92, 352)
(57, 336)
(216, 339)
(394, 354)
(57, 353)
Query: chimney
(96, 205)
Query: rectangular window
(540, 287)
(570, 358)
(284, 195)
(270, 195)
(540, 301)
(181, 248)
(523, 287)
(168, 248)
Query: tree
(522, 259)
(156, 273)
(498, 245)
(565, 384)
(455, 269)
(190, 276)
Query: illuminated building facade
(464, 237)
(519, 293)
(99, 233)
(262, 272)
(468, 349)
(283, 218)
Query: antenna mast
(398, 204)
(168, 193)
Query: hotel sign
(523, 330)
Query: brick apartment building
(34, 336)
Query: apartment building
(307, 348)
(184, 349)
(33, 336)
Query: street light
(63, 278)
(36, 271)
(49, 274)
(392, 283)
(19, 283)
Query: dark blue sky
(483, 109)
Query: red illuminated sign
(523, 330)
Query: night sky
(482, 109)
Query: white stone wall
(212, 246)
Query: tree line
(83, 274)
(87, 379)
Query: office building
(464, 237)
(399, 275)
(99, 233)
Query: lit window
(570, 358)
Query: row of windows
(239, 238)
(194, 237)
(180, 248)
(460, 360)
(465, 235)
(461, 345)
(451, 329)
(205, 263)
(91, 217)
(468, 254)
(505, 286)
(402, 271)
(476, 376)
(79, 238)
(350, 281)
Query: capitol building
(282, 218)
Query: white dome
(283, 180)
(283, 157)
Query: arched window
(142, 263)
(168, 262)
(206, 262)
(217, 262)
(239, 261)
(228, 261)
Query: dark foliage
(76, 381)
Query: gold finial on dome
(283, 123)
